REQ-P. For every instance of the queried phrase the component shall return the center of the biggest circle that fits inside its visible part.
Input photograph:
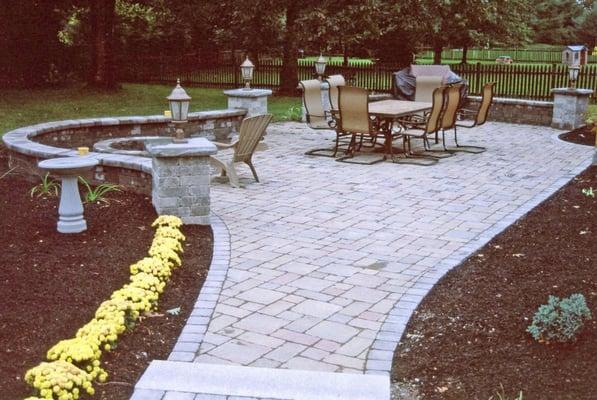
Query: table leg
(70, 210)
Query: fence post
(478, 78)
(552, 83)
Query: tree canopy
(45, 42)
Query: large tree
(102, 73)
(556, 21)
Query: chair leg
(234, 181)
(466, 149)
(250, 164)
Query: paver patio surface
(328, 260)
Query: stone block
(570, 106)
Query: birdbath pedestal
(70, 210)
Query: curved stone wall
(32, 143)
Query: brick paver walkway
(328, 260)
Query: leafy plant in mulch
(97, 194)
(560, 320)
(47, 187)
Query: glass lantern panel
(184, 110)
(175, 110)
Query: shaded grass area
(26, 107)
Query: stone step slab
(173, 379)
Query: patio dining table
(386, 112)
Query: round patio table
(70, 210)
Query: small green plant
(588, 192)
(294, 113)
(560, 320)
(501, 395)
(47, 187)
(98, 194)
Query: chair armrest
(225, 145)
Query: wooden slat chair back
(315, 113)
(334, 82)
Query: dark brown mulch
(467, 337)
(51, 283)
(583, 135)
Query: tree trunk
(102, 74)
(289, 73)
(437, 54)
(345, 54)
(464, 53)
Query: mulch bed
(583, 135)
(51, 283)
(467, 338)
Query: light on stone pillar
(573, 71)
(179, 108)
(320, 66)
(246, 69)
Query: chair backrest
(353, 106)
(433, 119)
(451, 103)
(334, 81)
(312, 100)
(251, 131)
(486, 101)
(425, 85)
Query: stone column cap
(248, 93)
(195, 147)
(572, 92)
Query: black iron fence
(516, 81)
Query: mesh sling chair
(353, 121)
(334, 81)
(451, 103)
(317, 117)
(422, 131)
(479, 117)
(250, 133)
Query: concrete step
(165, 380)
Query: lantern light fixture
(573, 71)
(246, 69)
(320, 66)
(179, 109)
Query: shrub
(560, 320)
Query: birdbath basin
(70, 211)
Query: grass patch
(27, 107)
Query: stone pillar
(181, 174)
(252, 100)
(569, 107)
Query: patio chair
(452, 101)
(422, 131)
(317, 117)
(479, 117)
(250, 133)
(334, 81)
(353, 121)
(425, 85)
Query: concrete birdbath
(70, 210)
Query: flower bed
(53, 283)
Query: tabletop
(397, 108)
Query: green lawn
(26, 107)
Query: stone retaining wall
(518, 111)
(28, 145)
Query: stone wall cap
(572, 92)
(248, 93)
(215, 114)
(193, 148)
(524, 102)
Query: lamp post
(573, 71)
(246, 69)
(179, 108)
(320, 66)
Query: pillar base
(569, 107)
(252, 100)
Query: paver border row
(379, 359)
(192, 334)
